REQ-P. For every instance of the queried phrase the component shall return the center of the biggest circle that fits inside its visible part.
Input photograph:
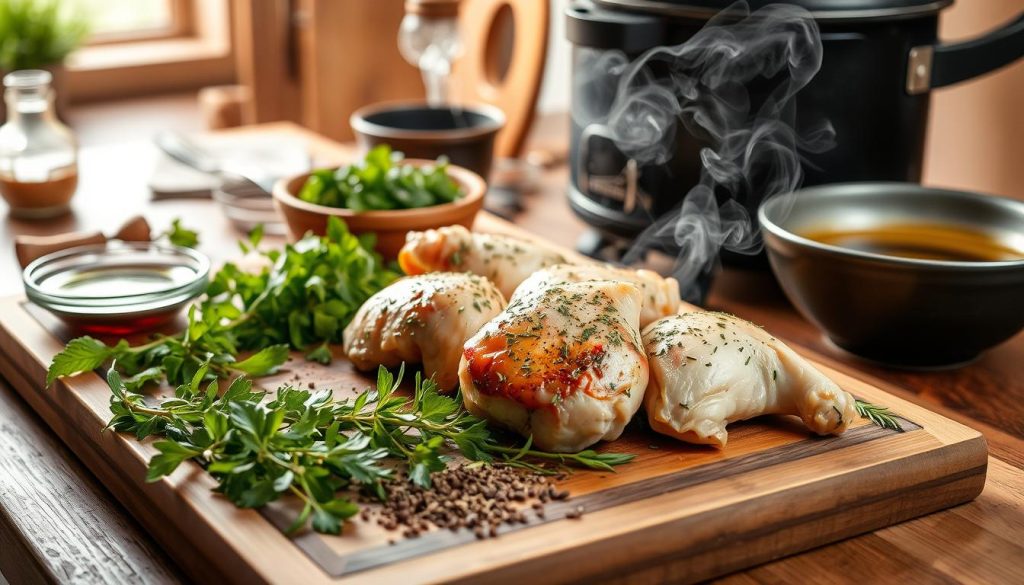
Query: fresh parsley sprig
(305, 297)
(381, 181)
(180, 235)
(313, 446)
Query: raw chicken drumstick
(711, 369)
(422, 319)
(659, 295)
(506, 261)
(564, 365)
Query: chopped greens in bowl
(381, 181)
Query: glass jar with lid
(38, 154)
(428, 38)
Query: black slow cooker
(880, 59)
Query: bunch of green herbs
(316, 447)
(38, 33)
(302, 300)
(381, 181)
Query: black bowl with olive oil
(898, 273)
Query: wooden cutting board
(677, 513)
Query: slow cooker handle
(941, 65)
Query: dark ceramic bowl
(464, 134)
(898, 311)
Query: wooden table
(58, 524)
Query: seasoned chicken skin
(711, 369)
(659, 295)
(422, 319)
(564, 365)
(506, 261)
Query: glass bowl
(119, 287)
(246, 206)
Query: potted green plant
(38, 34)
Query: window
(115, 21)
(151, 46)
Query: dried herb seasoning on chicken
(563, 364)
(422, 319)
(710, 369)
(506, 261)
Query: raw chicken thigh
(660, 295)
(711, 369)
(504, 260)
(564, 365)
(422, 319)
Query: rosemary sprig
(315, 447)
(879, 415)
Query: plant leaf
(322, 354)
(256, 235)
(81, 355)
(179, 235)
(263, 362)
(325, 522)
(171, 455)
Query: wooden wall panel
(263, 30)
(349, 58)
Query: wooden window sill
(149, 52)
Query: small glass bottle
(38, 154)
(428, 38)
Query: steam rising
(732, 87)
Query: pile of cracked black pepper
(477, 498)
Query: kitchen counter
(57, 523)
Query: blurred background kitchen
(148, 65)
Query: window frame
(195, 52)
(183, 25)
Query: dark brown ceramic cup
(465, 134)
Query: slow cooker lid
(820, 9)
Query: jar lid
(27, 78)
(433, 8)
(114, 283)
(825, 10)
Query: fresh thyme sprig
(314, 446)
(879, 415)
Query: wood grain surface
(990, 390)
(43, 487)
(774, 490)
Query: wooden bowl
(390, 226)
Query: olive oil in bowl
(920, 241)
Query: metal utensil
(187, 152)
(246, 206)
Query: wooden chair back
(316, 61)
(503, 63)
